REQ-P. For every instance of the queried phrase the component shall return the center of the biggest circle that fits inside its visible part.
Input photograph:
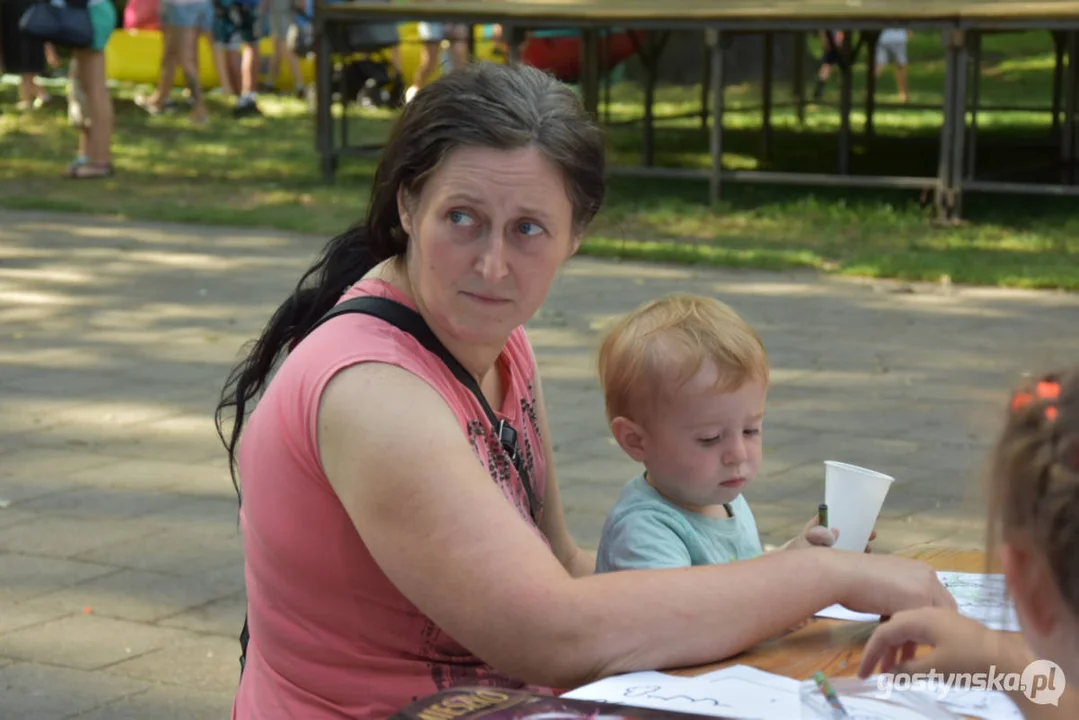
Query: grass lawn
(264, 172)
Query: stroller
(366, 74)
(363, 69)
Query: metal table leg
(975, 42)
(1059, 46)
(959, 128)
(944, 159)
(324, 140)
(514, 36)
(845, 93)
(706, 81)
(798, 79)
(589, 75)
(872, 37)
(766, 95)
(715, 184)
(1071, 123)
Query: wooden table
(833, 646)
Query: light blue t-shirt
(645, 530)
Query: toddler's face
(703, 447)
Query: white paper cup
(854, 496)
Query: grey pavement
(121, 571)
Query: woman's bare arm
(447, 538)
(553, 523)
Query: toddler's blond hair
(663, 344)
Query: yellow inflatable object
(135, 56)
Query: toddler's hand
(813, 535)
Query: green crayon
(830, 695)
(822, 514)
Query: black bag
(409, 321)
(67, 24)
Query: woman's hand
(958, 644)
(888, 584)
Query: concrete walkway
(121, 578)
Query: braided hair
(1034, 492)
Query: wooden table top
(833, 646)
(734, 11)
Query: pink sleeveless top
(331, 637)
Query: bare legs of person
(95, 138)
(227, 64)
(170, 56)
(31, 95)
(249, 71)
(901, 83)
(189, 66)
(280, 50)
(900, 80)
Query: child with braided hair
(1034, 519)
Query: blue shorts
(187, 14)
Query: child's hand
(813, 535)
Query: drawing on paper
(655, 692)
(983, 598)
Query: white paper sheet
(838, 612)
(987, 704)
(734, 692)
(751, 694)
(979, 596)
(983, 598)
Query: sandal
(91, 171)
(146, 104)
(75, 165)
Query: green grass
(264, 172)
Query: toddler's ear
(630, 437)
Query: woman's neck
(480, 361)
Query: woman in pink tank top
(394, 544)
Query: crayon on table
(829, 693)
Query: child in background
(236, 31)
(1034, 513)
(282, 19)
(831, 55)
(685, 380)
(892, 47)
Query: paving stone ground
(121, 586)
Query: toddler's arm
(642, 541)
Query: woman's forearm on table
(697, 615)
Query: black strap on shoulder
(410, 321)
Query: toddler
(685, 381)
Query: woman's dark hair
(482, 105)
(1034, 481)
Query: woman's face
(487, 235)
